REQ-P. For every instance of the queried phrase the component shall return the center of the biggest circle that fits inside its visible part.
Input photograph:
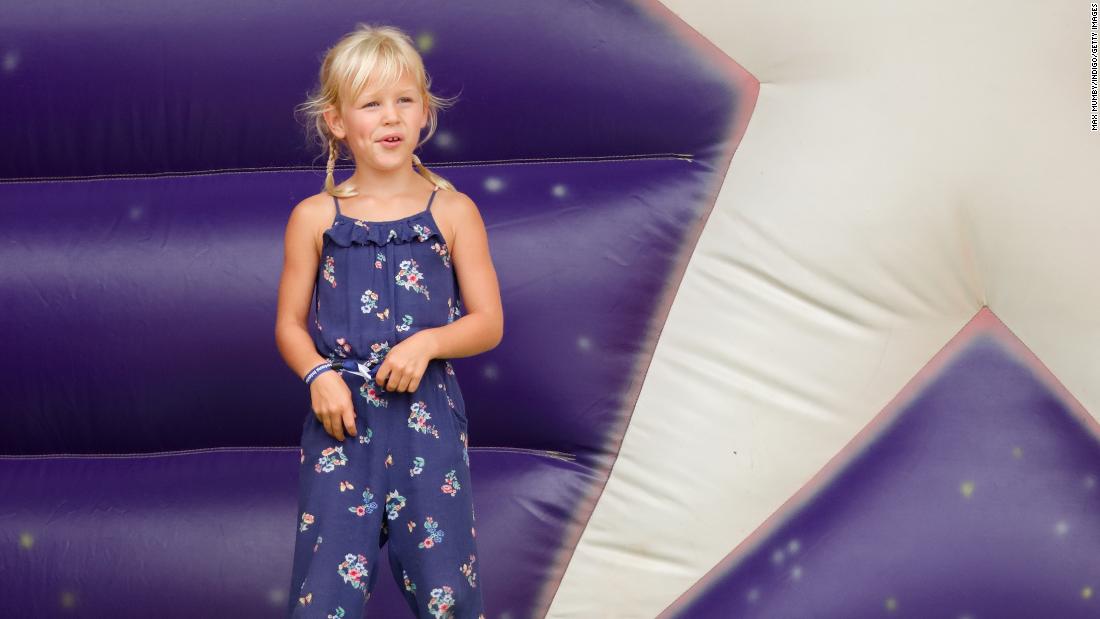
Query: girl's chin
(389, 154)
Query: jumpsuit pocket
(457, 405)
(459, 417)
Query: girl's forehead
(372, 87)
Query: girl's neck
(386, 183)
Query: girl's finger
(337, 431)
(349, 421)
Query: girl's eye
(409, 99)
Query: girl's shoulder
(455, 202)
(311, 217)
(320, 201)
(314, 206)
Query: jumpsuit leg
(341, 510)
(432, 548)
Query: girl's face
(376, 114)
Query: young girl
(384, 449)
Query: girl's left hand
(405, 363)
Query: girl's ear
(335, 123)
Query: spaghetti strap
(337, 203)
(429, 208)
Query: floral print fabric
(405, 478)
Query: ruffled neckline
(347, 231)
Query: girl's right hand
(332, 404)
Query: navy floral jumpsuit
(405, 477)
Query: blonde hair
(384, 52)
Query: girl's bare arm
(301, 258)
(481, 327)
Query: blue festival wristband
(317, 371)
